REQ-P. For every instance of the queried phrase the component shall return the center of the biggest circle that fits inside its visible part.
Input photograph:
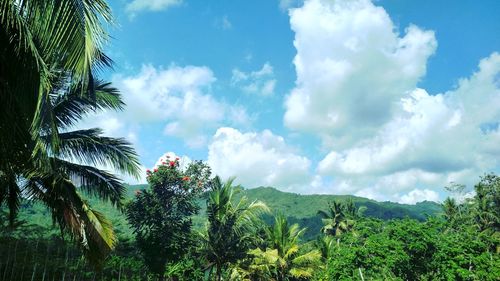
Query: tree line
(238, 244)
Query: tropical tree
(60, 177)
(325, 245)
(41, 40)
(161, 215)
(486, 203)
(282, 260)
(450, 209)
(338, 219)
(231, 226)
(49, 53)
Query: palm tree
(49, 52)
(282, 260)
(486, 204)
(325, 245)
(336, 220)
(231, 225)
(451, 209)
(58, 178)
(39, 41)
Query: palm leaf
(87, 226)
(70, 107)
(96, 182)
(89, 146)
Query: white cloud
(418, 195)
(351, 68)
(259, 159)
(180, 98)
(137, 6)
(260, 82)
(386, 138)
(439, 134)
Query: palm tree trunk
(7, 263)
(46, 260)
(14, 261)
(218, 272)
(24, 261)
(65, 263)
(35, 260)
(34, 272)
(76, 270)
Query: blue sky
(383, 99)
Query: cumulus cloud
(441, 136)
(137, 6)
(260, 159)
(180, 98)
(386, 138)
(260, 82)
(418, 195)
(351, 68)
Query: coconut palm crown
(60, 178)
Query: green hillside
(297, 208)
(303, 209)
(301, 206)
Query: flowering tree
(161, 215)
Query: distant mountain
(303, 209)
(298, 208)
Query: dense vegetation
(244, 239)
(50, 53)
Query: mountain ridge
(298, 208)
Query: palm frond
(70, 107)
(87, 226)
(324, 214)
(102, 228)
(96, 182)
(90, 147)
(55, 35)
(312, 257)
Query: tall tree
(57, 178)
(450, 209)
(231, 225)
(282, 259)
(486, 203)
(50, 51)
(40, 40)
(161, 215)
(338, 219)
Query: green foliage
(439, 248)
(303, 209)
(62, 179)
(50, 50)
(161, 215)
(231, 226)
(486, 203)
(409, 250)
(339, 218)
(281, 258)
